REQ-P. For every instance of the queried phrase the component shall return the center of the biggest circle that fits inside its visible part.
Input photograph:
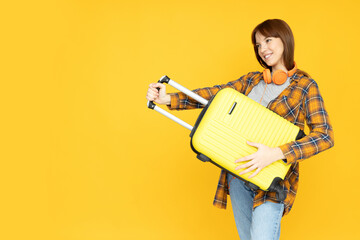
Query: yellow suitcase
(230, 119)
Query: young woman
(287, 91)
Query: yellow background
(83, 158)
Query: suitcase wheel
(281, 193)
(203, 158)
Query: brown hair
(279, 29)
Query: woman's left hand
(263, 157)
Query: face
(271, 50)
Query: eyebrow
(264, 39)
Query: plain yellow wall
(83, 158)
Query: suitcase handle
(166, 79)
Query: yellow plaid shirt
(300, 101)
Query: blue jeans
(262, 223)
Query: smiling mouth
(267, 56)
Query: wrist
(279, 154)
(167, 99)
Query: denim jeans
(262, 223)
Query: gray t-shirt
(271, 92)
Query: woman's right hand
(159, 97)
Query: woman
(287, 91)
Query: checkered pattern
(299, 102)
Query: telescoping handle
(166, 79)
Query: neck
(275, 68)
(279, 66)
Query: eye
(257, 45)
(268, 40)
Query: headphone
(279, 76)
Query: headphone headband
(292, 71)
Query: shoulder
(253, 74)
(304, 81)
(307, 87)
(251, 77)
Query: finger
(253, 167)
(158, 85)
(246, 158)
(257, 145)
(245, 165)
(255, 173)
(153, 91)
(154, 87)
(152, 97)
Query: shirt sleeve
(321, 136)
(180, 101)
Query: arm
(180, 101)
(321, 136)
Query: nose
(262, 48)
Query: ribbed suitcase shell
(221, 134)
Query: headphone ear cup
(267, 76)
(279, 77)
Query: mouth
(267, 56)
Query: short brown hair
(280, 29)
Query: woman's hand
(157, 96)
(263, 157)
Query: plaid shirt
(300, 101)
